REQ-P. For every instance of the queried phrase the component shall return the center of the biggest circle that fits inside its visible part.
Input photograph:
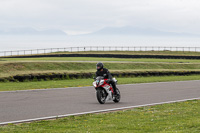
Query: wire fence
(96, 48)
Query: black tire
(101, 96)
(118, 97)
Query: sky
(85, 16)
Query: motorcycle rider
(101, 71)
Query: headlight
(101, 82)
(94, 84)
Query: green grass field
(183, 117)
(12, 86)
(94, 59)
(140, 52)
(14, 68)
(19, 66)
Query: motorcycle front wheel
(101, 96)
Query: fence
(96, 48)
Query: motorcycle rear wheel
(118, 97)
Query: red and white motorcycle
(104, 91)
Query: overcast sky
(80, 16)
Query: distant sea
(25, 42)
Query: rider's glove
(108, 80)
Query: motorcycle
(104, 90)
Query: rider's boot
(114, 89)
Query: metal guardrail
(97, 48)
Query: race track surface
(23, 105)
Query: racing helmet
(99, 66)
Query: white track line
(91, 112)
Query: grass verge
(183, 117)
(85, 59)
(12, 86)
(187, 53)
(14, 68)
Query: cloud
(91, 15)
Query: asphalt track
(23, 106)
